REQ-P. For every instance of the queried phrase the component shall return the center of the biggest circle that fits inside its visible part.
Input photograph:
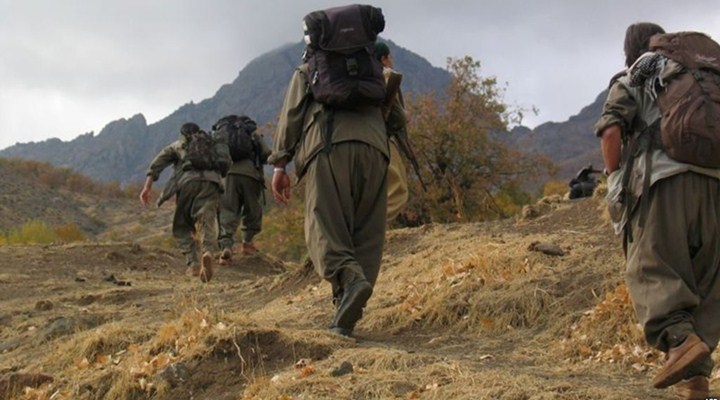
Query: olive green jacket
(303, 123)
(174, 154)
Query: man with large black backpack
(332, 127)
(200, 162)
(660, 139)
(244, 184)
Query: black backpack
(344, 72)
(238, 130)
(200, 152)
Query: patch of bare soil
(532, 308)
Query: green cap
(381, 50)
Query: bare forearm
(610, 143)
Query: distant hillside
(570, 144)
(35, 191)
(123, 148)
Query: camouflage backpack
(199, 149)
(690, 102)
(238, 130)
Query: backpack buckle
(352, 67)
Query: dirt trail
(461, 311)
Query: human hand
(281, 186)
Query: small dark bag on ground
(344, 72)
(690, 103)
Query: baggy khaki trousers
(345, 210)
(673, 262)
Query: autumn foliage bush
(461, 140)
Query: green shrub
(39, 232)
(34, 231)
(283, 230)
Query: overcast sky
(69, 66)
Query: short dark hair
(189, 128)
(637, 38)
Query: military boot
(356, 291)
(680, 360)
(225, 256)
(695, 388)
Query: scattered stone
(13, 384)
(60, 327)
(116, 281)
(87, 299)
(135, 248)
(65, 326)
(345, 368)
(44, 305)
(546, 248)
(114, 256)
(403, 389)
(10, 345)
(175, 374)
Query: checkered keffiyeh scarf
(648, 66)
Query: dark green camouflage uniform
(197, 195)
(243, 198)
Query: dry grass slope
(463, 311)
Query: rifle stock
(393, 80)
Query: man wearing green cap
(395, 122)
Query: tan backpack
(690, 102)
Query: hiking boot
(249, 248)
(206, 267)
(341, 331)
(193, 270)
(695, 388)
(679, 360)
(225, 256)
(350, 310)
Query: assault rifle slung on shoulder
(394, 80)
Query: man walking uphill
(664, 196)
(199, 163)
(339, 145)
(244, 185)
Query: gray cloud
(70, 66)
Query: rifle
(404, 147)
(392, 95)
